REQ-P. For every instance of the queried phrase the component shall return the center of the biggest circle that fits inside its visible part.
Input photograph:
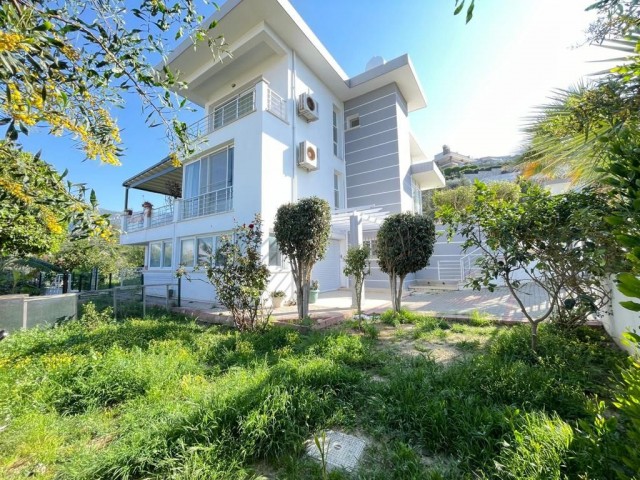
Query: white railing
(217, 201)
(468, 262)
(222, 115)
(276, 105)
(449, 270)
(161, 216)
(460, 269)
(134, 222)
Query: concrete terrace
(333, 307)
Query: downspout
(294, 178)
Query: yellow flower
(10, 42)
(175, 161)
(15, 190)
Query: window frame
(279, 256)
(348, 126)
(161, 263)
(338, 190)
(336, 136)
(215, 237)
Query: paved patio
(333, 307)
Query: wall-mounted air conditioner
(308, 156)
(308, 107)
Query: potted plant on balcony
(314, 289)
(148, 207)
(277, 297)
(128, 212)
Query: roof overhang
(423, 170)
(257, 29)
(157, 178)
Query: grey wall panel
(406, 184)
(378, 125)
(375, 199)
(373, 176)
(360, 101)
(385, 161)
(374, 151)
(377, 188)
(374, 139)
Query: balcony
(230, 111)
(211, 203)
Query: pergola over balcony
(163, 178)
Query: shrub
(404, 245)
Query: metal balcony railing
(217, 201)
(134, 222)
(222, 115)
(276, 105)
(161, 216)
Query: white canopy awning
(370, 218)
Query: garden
(163, 397)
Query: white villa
(283, 122)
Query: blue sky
(482, 80)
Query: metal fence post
(115, 304)
(179, 290)
(166, 297)
(25, 313)
(144, 303)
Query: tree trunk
(399, 294)
(65, 282)
(534, 336)
(392, 286)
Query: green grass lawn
(165, 398)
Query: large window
(275, 256)
(199, 250)
(160, 254)
(208, 184)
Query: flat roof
(236, 18)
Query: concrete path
(498, 304)
(333, 307)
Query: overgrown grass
(166, 398)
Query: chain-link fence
(23, 311)
(133, 300)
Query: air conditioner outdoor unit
(308, 156)
(308, 107)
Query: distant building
(447, 158)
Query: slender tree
(302, 231)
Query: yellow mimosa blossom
(15, 190)
(10, 42)
(175, 161)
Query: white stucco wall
(621, 320)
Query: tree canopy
(39, 209)
(65, 64)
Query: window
(417, 197)
(372, 244)
(336, 133)
(199, 251)
(337, 190)
(208, 184)
(187, 255)
(275, 255)
(353, 121)
(160, 254)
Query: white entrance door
(327, 271)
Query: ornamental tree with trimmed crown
(404, 245)
(302, 232)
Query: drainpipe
(126, 199)
(294, 178)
